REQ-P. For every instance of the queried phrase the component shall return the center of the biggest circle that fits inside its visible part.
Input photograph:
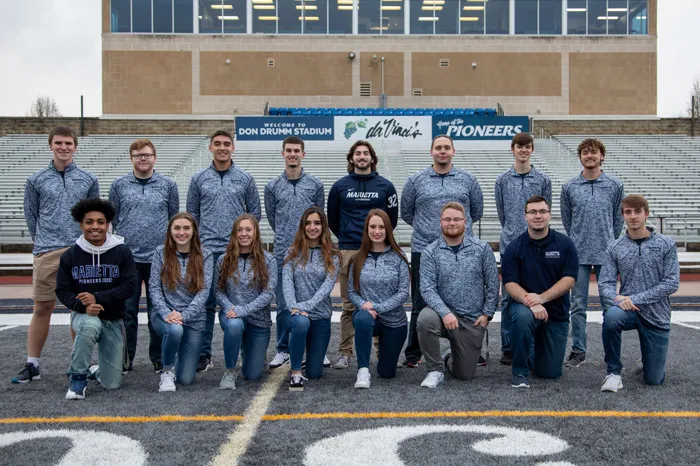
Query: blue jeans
(506, 303)
(210, 306)
(311, 336)
(547, 360)
(284, 318)
(131, 317)
(108, 335)
(579, 305)
(253, 340)
(181, 346)
(653, 342)
(391, 340)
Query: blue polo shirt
(536, 265)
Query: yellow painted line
(482, 414)
(118, 419)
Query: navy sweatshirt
(350, 200)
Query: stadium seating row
(302, 111)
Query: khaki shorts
(44, 274)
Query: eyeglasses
(535, 212)
(143, 156)
(450, 219)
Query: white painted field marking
(8, 327)
(237, 443)
(687, 325)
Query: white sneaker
(280, 359)
(228, 381)
(342, 362)
(363, 378)
(612, 383)
(433, 379)
(167, 382)
(326, 361)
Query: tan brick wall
(294, 74)
(496, 74)
(371, 70)
(106, 15)
(652, 17)
(658, 126)
(612, 83)
(135, 82)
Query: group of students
(193, 261)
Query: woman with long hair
(245, 278)
(309, 274)
(181, 276)
(378, 286)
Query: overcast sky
(52, 47)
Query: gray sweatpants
(465, 344)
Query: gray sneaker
(342, 362)
(612, 383)
(520, 382)
(228, 381)
(575, 359)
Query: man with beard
(459, 282)
(216, 197)
(592, 216)
(423, 196)
(349, 201)
(286, 198)
(539, 268)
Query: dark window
(209, 13)
(550, 17)
(638, 17)
(340, 16)
(368, 21)
(141, 15)
(289, 21)
(472, 17)
(576, 16)
(163, 15)
(121, 16)
(617, 17)
(526, 16)
(234, 16)
(316, 19)
(597, 17)
(497, 17)
(447, 21)
(423, 20)
(265, 17)
(183, 16)
(392, 16)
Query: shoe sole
(296, 389)
(611, 390)
(38, 377)
(522, 385)
(327, 365)
(362, 385)
(74, 396)
(278, 365)
(226, 388)
(568, 364)
(166, 390)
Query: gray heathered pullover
(190, 305)
(649, 274)
(215, 202)
(592, 215)
(143, 212)
(48, 199)
(512, 192)
(284, 204)
(308, 288)
(465, 284)
(426, 192)
(385, 283)
(251, 303)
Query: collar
(452, 172)
(213, 167)
(546, 240)
(650, 229)
(69, 167)
(302, 175)
(600, 179)
(443, 244)
(527, 175)
(133, 179)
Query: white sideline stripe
(64, 319)
(238, 441)
(7, 327)
(686, 325)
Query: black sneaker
(158, 367)
(575, 359)
(127, 369)
(204, 364)
(29, 373)
(481, 362)
(296, 383)
(410, 363)
(506, 358)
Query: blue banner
(466, 128)
(276, 128)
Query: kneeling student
(95, 277)
(539, 268)
(245, 279)
(647, 263)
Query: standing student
(95, 277)
(378, 287)
(592, 216)
(647, 263)
(349, 201)
(181, 276)
(310, 272)
(49, 196)
(217, 196)
(144, 201)
(245, 278)
(286, 198)
(460, 286)
(513, 188)
(422, 198)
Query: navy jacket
(350, 200)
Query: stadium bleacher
(306, 111)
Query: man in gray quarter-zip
(49, 195)
(647, 263)
(216, 197)
(144, 201)
(513, 188)
(592, 217)
(287, 196)
(422, 198)
(459, 282)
